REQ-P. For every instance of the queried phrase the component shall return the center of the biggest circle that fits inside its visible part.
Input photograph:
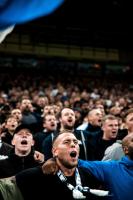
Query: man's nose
(24, 135)
(72, 144)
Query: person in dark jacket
(8, 130)
(50, 127)
(116, 175)
(67, 122)
(5, 148)
(21, 156)
(98, 142)
(94, 123)
(68, 182)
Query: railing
(17, 43)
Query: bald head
(127, 144)
(95, 117)
(126, 140)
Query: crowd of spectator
(98, 112)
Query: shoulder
(82, 126)
(47, 140)
(4, 160)
(116, 147)
(32, 173)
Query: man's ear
(54, 152)
(60, 120)
(13, 142)
(125, 149)
(33, 142)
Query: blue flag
(19, 11)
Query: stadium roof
(105, 23)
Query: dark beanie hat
(22, 126)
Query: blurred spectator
(17, 114)
(50, 128)
(21, 156)
(99, 141)
(8, 130)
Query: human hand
(39, 157)
(50, 166)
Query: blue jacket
(117, 176)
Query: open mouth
(24, 142)
(99, 120)
(73, 154)
(70, 120)
(114, 132)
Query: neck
(130, 130)
(22, 153)
(105, 138)
(11, 132)
(66, 171)
(66, 129)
